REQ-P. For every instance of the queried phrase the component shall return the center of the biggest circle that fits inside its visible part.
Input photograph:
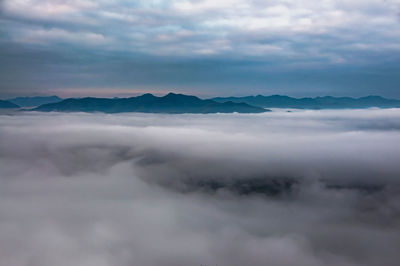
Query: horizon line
(179, 93)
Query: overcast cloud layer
(126, 189)
(313, 47)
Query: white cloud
(295, 21)
(95, 189)
(58, 10)
(55, 35)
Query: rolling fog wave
(279, 188)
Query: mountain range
(7, 104)
(34, 101)
(327, 102)
(180, 103)
(148, 103)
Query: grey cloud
(286, 47)
(95, 189)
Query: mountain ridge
(320, 102)
(34, 101)
(148, 103)
(4, 104)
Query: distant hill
(148, 103)
(35, 101)
(327, 102)
(7, 104)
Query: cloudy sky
(203, 47)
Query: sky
(106, 48)
(122, 189)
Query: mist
(310, 187)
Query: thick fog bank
(281, 188)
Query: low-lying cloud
(280, 188)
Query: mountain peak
(175, 95)
(146, 95)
